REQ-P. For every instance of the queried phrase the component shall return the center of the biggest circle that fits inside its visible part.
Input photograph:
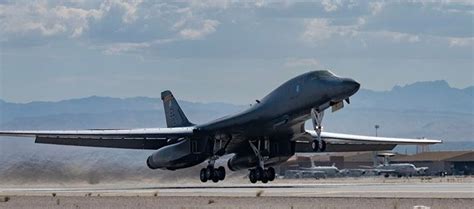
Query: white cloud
(206, 27)
(40, 17)
(130, 9)
(318, 29)
(192, 24)
(133, 25)
(127, 47)
(376, 7)
(210, 4)
(54, 19)
(461, 42)
(331, 5)
(120, 48)
(395, 36)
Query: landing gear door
(194, 147)
(337, 106)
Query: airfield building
(448, 162)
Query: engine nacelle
(280, 152)
(183, 154)
(241, 161)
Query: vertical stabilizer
(174, 115)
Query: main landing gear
(210, 172)
(213, 174)
(260, 173)
(317, 119)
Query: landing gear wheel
(221, 173)
(265, 177)
(322, 146)
(209, 172)
(315, 145)
(215, 176)
(271, 174)
(202, 175)
(253, 176)
(317, 120)
(259, 173)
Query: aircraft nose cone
(351, 84)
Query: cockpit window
(322, 74)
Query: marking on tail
(175, 116)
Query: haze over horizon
(205, 50)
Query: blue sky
(226, 50)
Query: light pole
(374, 153)
(376, 130)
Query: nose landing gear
(317, 119)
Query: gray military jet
(266, 134)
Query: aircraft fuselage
(289, 105)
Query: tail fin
(174, 115)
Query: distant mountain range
(433, 96)
(430, 109)
(103, 112)
(423, 109)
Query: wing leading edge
(151, 138)
(372, 139)
(337, 142)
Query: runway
(285, 194)
(431, 190)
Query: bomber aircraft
(265, 135)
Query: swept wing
(151, 138)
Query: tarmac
(352, 193)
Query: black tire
(386, 175)
(253, 176)
(315, 145)
(265, 177)
(259, 173)
(202, 175)
(322, 146)
(209, 172)
(271, 174)
(221, 172)
(215, 176)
